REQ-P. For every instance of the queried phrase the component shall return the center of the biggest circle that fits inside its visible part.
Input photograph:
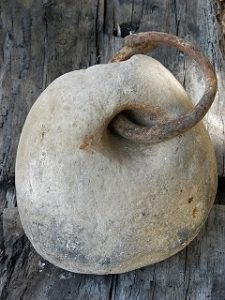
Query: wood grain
(40, 40)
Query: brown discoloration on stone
(194, 212)
(87, 143)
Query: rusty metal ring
(142, 43)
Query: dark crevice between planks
(153, 282)
(104, 16)
(97, 34)
(177, 18)
(112, 290)
(186, 278)
(45, 54)
(220, 197)
(221, 19)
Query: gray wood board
(196, 273)
(40, 40)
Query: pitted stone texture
(93, 202)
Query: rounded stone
(93, 202)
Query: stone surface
(93, 202)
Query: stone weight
(91, 201)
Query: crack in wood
(45, 54)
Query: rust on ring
(142, 43)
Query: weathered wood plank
(198, 272)
(40, 40)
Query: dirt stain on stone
(86, 145)
(190, 199)
(183, 235)
(194, 212)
